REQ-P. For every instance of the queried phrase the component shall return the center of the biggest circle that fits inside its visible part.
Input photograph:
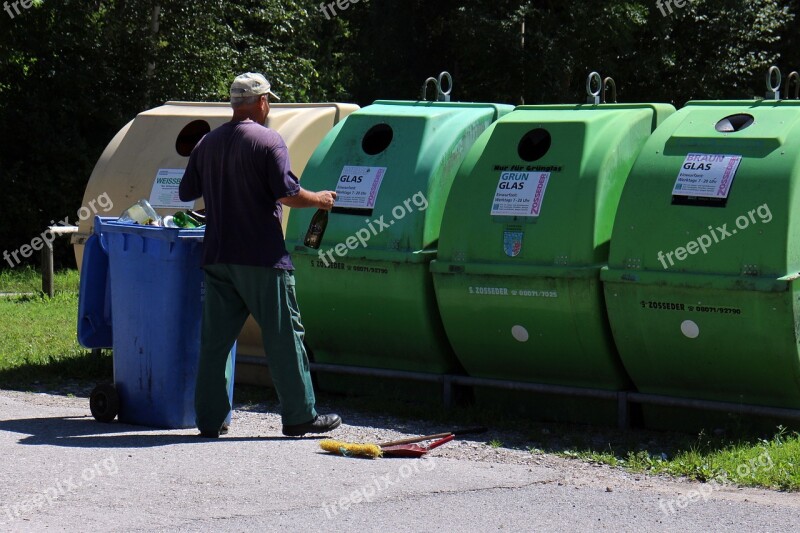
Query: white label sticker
(520, 194)
(165, 189)
(707, 175)
(358, 187)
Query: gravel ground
(260, 420)
(253, 479)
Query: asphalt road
(62, 471)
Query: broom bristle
(348, 449)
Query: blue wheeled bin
(154, 308)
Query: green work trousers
(232, 292)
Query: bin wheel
(104, 403)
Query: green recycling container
(525, 233)
(701, 285)
(366, 294)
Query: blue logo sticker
(512, 243)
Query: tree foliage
(72, 73)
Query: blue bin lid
(110, 225)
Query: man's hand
(326, 199)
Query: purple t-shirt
(241, 170)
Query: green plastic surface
(375, 306)
(717, 319)
(539, 315)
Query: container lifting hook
(609, 82)
(597, 95)
(774, 89)
(594, 95)
(794, 77)
(441, 95)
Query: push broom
(398, 448)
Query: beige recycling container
(146, 159)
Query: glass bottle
(184, 220)
(316, 230)
(140, 213)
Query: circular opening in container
(735, 123)
(377, 139)
(534, 144)
(190, 136)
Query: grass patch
(772, 462)
(29, 280)
(38, 343)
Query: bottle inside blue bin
(140, 213)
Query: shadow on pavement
(85, 432)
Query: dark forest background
(73, 73)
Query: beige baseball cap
(251, 84)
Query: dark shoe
(321, 424)
(215, 434)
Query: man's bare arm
(320, 200)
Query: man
(241, 170)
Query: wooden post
(47, 269)
(47, 257)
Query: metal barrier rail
(624, 399)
